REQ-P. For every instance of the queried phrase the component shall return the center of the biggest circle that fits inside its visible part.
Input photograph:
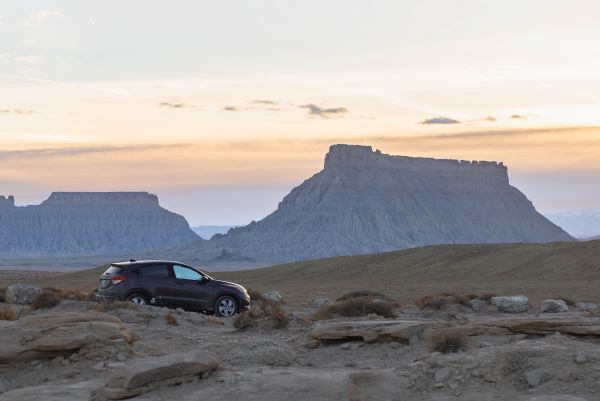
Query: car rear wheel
(137, 299)
(226, 306)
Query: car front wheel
(226, 306)
(137, 299)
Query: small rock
(21, 294)
(586, 306)
(346, 346)
(553, 306)
(98, 366)
(121, 357)
(372, 316)
(395, 345)
(453, 385)
(273, 296)
(511, 304)
(580, 358)
(350, 364)
(56, 361)
(355, 346)
(319, 302)
(436, 353)
(533, 377)
(439, 385)
(478, 305)
(179, 311)
(441, 374)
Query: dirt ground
(265, 363)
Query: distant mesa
(364, 201)
(89, 223)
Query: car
(172, 285)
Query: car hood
(229, 285)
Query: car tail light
(117, 279)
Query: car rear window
(155, 271)
(114, 270)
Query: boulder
(320, 302)
(59, 334)
(511, 304)
(586, 306)
(273, 296)
(21, 294)
(404, 331)
(553, 306)
(145, 374)
(478, 305)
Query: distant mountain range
(207, 232)
(583, 224)
(364, 201)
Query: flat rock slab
(576, 325)
(145, 374)
(55, 334)
(403, 331)
(50, 392)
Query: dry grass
(247, 319)
(171, 319)
(262, 309)
(486, 296)
(8, 313)
(114, 305)
(2, 294)
(348, 306)
(439, 301)
(447, 341)
(48, 298)
(362, 294)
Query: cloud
(30, 58)
(264, 102)
(173, 105)
(230, 108)
(17, 111)
(490, 119)
(38, 17)
(315, 110)
(77, 151)
(440, 120)
(518, 117)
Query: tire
(137, 299)
(226, 306)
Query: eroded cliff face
(90, 223)
(364, 201)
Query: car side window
(160, 271)
(185, 273)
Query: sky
(221, 108)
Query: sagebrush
(447, 341)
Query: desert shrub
(447, 341)
(486, 296)
(277, 315)
(354, 307)
(112, 305)
(262, 309)
(47, 298)
(2, 294)
(171, 319)
(246, 320)
(438, 301)
(92, 295)
(8, 313)
(362, 294)
(76, 296)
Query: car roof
(140, 263)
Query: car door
(156, 280)
(192, 293)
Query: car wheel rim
(138, 301)
(226, 307)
